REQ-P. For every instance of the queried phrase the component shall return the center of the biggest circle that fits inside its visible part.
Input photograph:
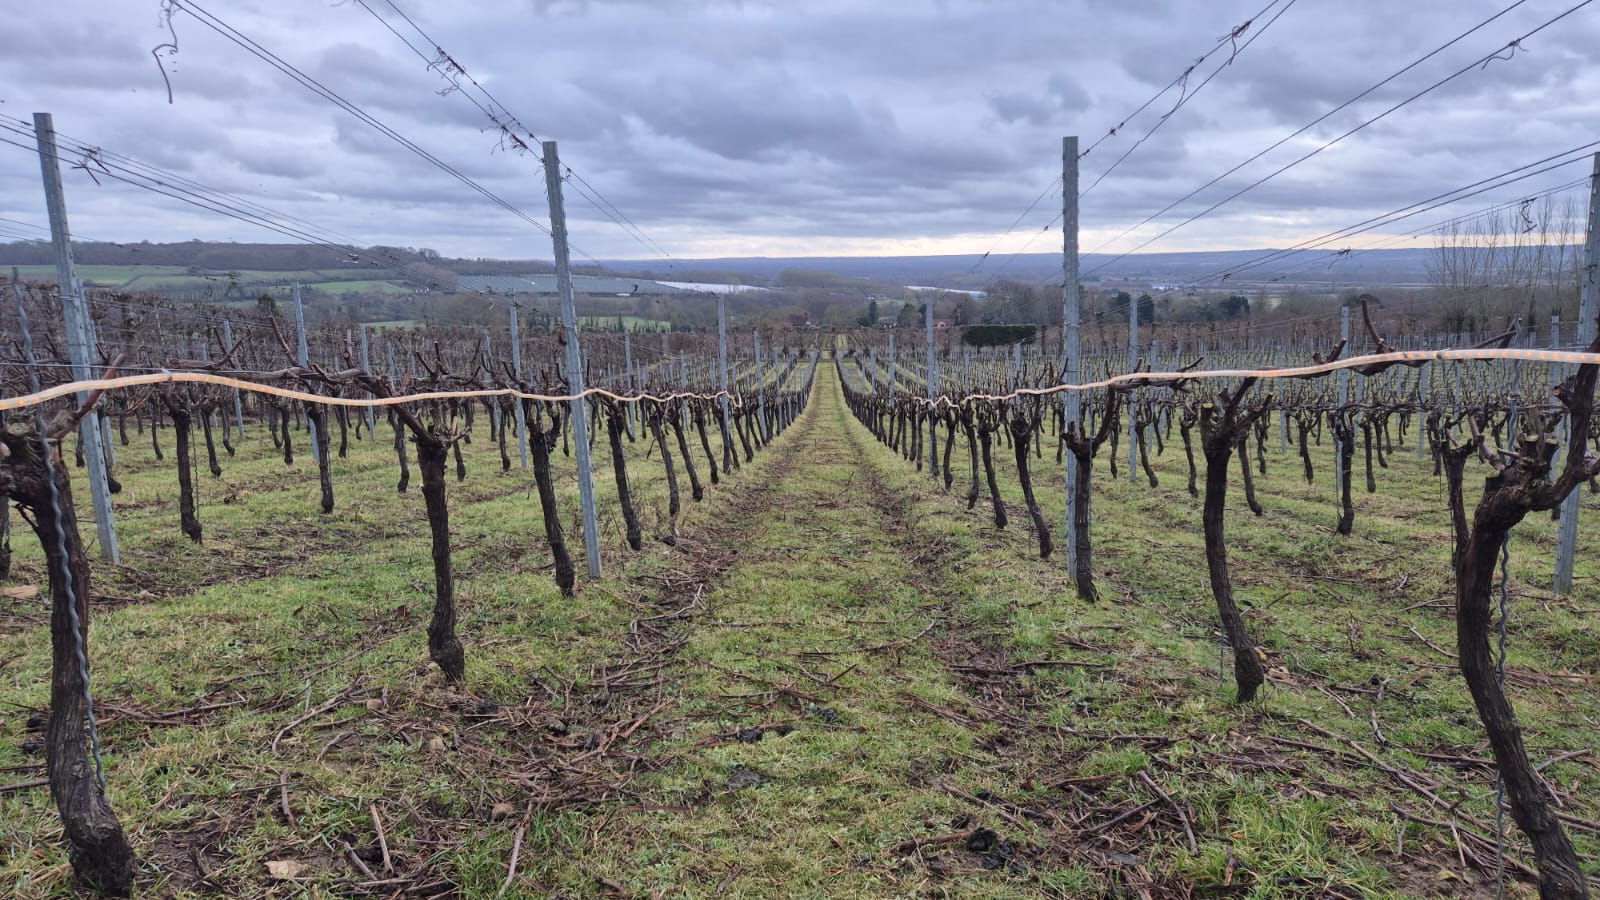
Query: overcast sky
(792, 128)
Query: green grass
(348, 287)
(276, 593)
(1335, 613)
(178, 278)
(826, 573)
(629, 323)
(106, 276)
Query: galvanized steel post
(761, 400)
(1344, 398)
(238, 404)
(366, 366)
(516, 372)
(569, 324)
(1588, 309)
(1070, 331)
(933, 391)
(80, 333)
(722, 363)
(1133, 360)
(303, 356)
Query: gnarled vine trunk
(181, 427)
(96, 845)
(444, 648)
(1560, 877)
(985, 443)
(400, 451)
(211, 442)
(1521, 485)
(1218, 439)
(696, 491)
(540, 443)
(653, 422)
(1021, 434)
(619, 468)
(698, 412)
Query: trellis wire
(169, 376)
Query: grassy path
(809, 737)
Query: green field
(837, 681)
(629, 323)
(106, 276)
(350, 287)
(178, 279)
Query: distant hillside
(412, 268)
(1405, 266)
(219, 259)
(197, 254)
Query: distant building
(944, 323)
(799, 320)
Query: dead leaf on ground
(285, 869)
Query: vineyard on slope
(453, 388)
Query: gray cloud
(726, 126)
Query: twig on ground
(355, 858)
(332, 703)
(626, 731)
(1335, 697)
(283, 799)
(511, 867)
(383, 841)
(1575, 754)
(1104, 826)
(1435, 647)
(1182, 816)
(999, 809)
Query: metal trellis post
(304, 356)
(889, 374)
(627, 366)
(238, 403)
(761, 400)
(569, 324)
(1070, 330)
(366, 366)
(516, 372)
(722, 361)
(1283, 414)
(1588, 309)
(933, 391)
(488, 363)
(80, 332)
(1344, 398)
(1133, 360)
